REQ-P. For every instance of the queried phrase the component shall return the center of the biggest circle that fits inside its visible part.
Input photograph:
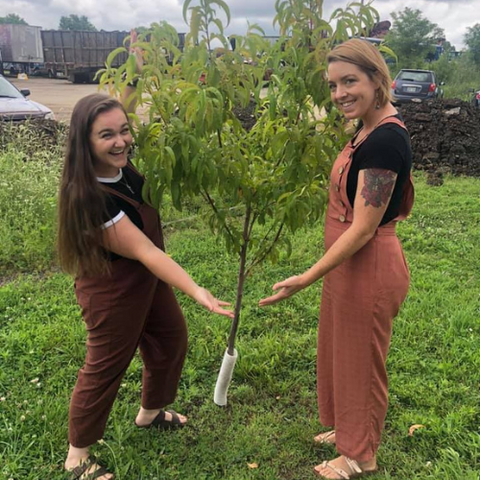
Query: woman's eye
(331, 87)
(107, 135)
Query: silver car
(14, 106)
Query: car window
(8, 90)
(407, 76)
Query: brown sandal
(78, 472)
(160, 422)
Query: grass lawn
(266, 431)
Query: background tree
(74, 22)
(258, 180)
(13, 18)
(413, 37)
(472, 40)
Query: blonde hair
(365, 56)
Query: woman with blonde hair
(365, 275)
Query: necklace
(125, 182)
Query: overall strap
(132, 167)
(112, 191)
(390, 119)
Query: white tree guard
(224, 378)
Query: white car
(15, 106)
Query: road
(58, 95)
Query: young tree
(472, 40)
(413, 37)
(74, 22)
(259, 181)
(12, 18)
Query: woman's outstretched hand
(287, 288)
(137, 51)
(207, 300)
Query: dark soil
(445, 137)
(246, 115)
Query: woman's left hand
(288, 287)
(137, 51)
(207, 300)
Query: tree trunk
(240, 283)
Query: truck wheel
(77, 78)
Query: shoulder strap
(389, 119)
(392, 119)
(112, 191)
(131, 167)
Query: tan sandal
(325, 438)
(355, 470)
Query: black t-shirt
(117, 206)
(387, 147)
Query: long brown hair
(82, 204)
(367, 57)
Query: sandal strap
(100, 472)
(353, 464)
(159, 419)
(324, 437)
(80, 470)
(338, 471)
(175, 418)
(82, 467)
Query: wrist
(307, 278)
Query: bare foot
(325, 437)
(344, 467)
(146, 417)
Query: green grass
(271, 418)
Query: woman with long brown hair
(111, 240)
(365, 276)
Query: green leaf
(113, 54)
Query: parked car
(415, 85)
(15, 106)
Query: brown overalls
(128, 309)
(360, 298)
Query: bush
(29, 174)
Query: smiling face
(352, 90)
(110, 141)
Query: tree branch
(209, 199)
(260, 259)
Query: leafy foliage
(472, 40)
(193, 144)
(75, 22)
(13, 19)
(413, 37)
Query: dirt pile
(445, 137)
(33, 136)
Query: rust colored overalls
(360, 298)
(128, 309)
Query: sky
(454, 16)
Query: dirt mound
(32, 136)
(445, 137)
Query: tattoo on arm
(378, 186)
